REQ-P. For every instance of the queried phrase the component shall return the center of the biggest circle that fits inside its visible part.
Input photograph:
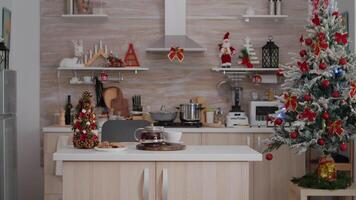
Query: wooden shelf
(86, 17)
(244, 70)
(276, 18)
(128, 69)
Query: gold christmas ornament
(327, 168)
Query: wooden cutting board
(111, 93)
(161, 147)
(204, 104)
(120, 105)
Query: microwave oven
(260, 111)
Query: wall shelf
(244, 70)
(135, 70)
(276, 18)
(85, 17)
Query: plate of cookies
(110, 146)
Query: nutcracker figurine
(226, 51)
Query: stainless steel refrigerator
(8, 167)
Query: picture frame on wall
(6, 26)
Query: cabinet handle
(165, 184)
(146, 183)
(248, 141)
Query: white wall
(25, 60)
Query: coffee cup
(172, 136)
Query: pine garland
(312, 180)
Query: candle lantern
(4, 56)
(270, 54)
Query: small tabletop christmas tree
(248, 55)
(84, 124)
(320, 92)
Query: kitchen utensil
(111, 93)
(172, 136)
(236, 119)
(161, 147)
(163, 115)
(202, 101)
(190, 112)
(87, 79)
(136, 103)
(120, 105)
(149, 135)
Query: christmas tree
(320, 90)
(248, 55)
(84, 124)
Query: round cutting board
(111, 93)
(161, 147)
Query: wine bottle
(68, 109)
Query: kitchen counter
(67, 129)
(236, 153)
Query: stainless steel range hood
(175, 30)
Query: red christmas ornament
(325, 83)
(335, 94)
(176, 53)
(301, 39)
(308, 41)
(321, 142)
(269, 156)
(325, 116)
(316, 20)
(308, 97)
(341, 38)
(343, 147)
(336, 14)
(294, 135)
(278, 122)
(280, 72)
(303, 53)
(342, 61)
(322, 66)
(303, 66)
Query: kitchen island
(199, 172)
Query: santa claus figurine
(226, 51)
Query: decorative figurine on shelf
(85, 124)
(248, 55)
(114, 61)
(270, 54)
(176, 53)
(83, 6)
(77, 60)
(131, 59)
(226, 52)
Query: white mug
(172, 136)
(87, 79)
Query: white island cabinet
(199, 173)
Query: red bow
(303, 66)
(341, 38)
(308, 114)
(352, 92)
(176, 52)
(290, 102)
(335, 128)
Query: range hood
(175, 30)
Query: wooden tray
(161, 147)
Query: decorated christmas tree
(84, 124)
(319, 98)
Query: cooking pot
(163, 115)
(190, 112)
(149, 135)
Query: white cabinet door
(202, 181)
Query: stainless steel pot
(190, 112)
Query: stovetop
(179, 124)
